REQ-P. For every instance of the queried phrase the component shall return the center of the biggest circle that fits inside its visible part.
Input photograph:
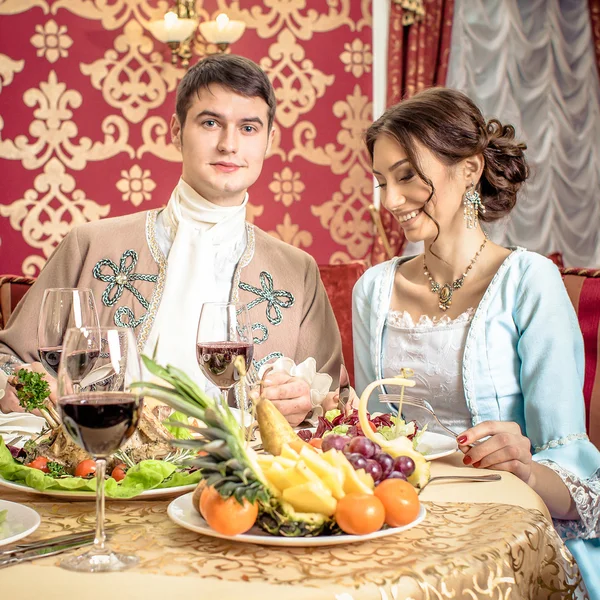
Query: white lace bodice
(433, 349)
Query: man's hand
(332, 400)
(506, 449)
(290, 395)
(10, 402)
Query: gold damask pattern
(289, 14)
(134, 91)
(346, 215)
(114, 13)
(136, 185)
(297, 82)
(287, 186)
(460, 551)
(54, 131)
(291, 234)
(8, 68)
(46, 213)
(357, 58)
(133, 76)
(13, 7)
(51, 41)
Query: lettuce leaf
(338, 429)
(179, 433)
(3, 514)
(330, 415)
(146, 475)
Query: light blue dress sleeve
(550, 348)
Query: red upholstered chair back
(339, 281)
(12, 289)
(583, 287)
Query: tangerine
(400, 500)
(359, 514)
(227, 515)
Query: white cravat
(198, 229)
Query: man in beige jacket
(152, 270)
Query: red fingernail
(462, 439)
(476, 465)
(467, 460)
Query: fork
(492, 477)
(395, 398)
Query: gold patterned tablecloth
(460, 551)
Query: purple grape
(397, 475)
(386, 462)
(405, 465)
(358, 461)
(337, 442)
(363, 446)
(373, 468)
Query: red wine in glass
(217, 361)
(100, 422)
(50, 358)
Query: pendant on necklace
(445, 296)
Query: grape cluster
(362, 453)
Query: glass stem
(100, 535)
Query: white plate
(183, 513)
(435, 445)
(20, 522)
(157, 493)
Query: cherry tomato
(119, 472)
(316, 442)
(40, 463)
(359, 514)
(400, 500)
(86, 468)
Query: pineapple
(234, 469)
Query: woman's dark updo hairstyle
(451, 126)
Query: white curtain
(531, 63)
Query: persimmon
(400, 500)
(227, 516)
(359, 514)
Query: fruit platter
(354, 487)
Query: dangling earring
(473, 205)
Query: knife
(50, 550)
(344, 389)
(61, 539)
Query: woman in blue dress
(489, 331)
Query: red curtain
(417, 59)
(595, 22)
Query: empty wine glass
(100, 412)
(62, 309)
(224, 333)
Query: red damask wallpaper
(86, 95)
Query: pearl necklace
(445, 291)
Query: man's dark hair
(239, 74)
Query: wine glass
(62, 309)
(100, 412)
(224, 332)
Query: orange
(359, 514)
(316, 443)
(400, 500)
(227, 516)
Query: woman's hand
(507, 449)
